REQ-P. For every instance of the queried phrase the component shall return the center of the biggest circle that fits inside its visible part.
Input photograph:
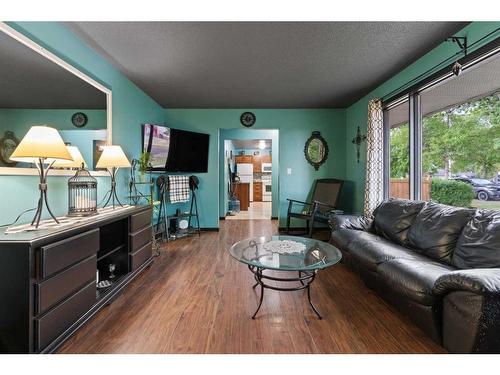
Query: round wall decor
(8, 144)
(79, 119)
(247, 119)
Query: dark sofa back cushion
(479, 244)
(393, 217)
(436, 229)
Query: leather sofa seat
(414, 278)
(373, 250)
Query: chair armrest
(356, 222)
(296, 201)
(485, 281)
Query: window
(452, 136)
(396, 119)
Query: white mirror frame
(21, 38)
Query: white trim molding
(8, 171)
(21, 38)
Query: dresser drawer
(140, 256)
(139, 239)
(59, 255)
(60, 286)
(56, 321)
(140, 221)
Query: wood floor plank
(195, 298)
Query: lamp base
(43, 194)
(113, 196)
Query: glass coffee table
(304, 256)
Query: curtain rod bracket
(461, 41)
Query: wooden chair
(324, 199)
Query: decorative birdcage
(82, 194)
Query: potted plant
(144, 164)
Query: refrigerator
(245, 172)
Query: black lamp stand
(42, 186)
(112, 195)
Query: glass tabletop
(313, 254)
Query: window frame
(413, 96)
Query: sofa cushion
(479, 243)
(436, 229)
(414, 278)
(371, 250)
(393, 218)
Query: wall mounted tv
(174, 150)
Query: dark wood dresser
(48, 277)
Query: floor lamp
(112, 158)
(43, 146)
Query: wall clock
(247, 119)
(79, 119)
(7, 146)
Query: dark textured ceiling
(29, 80)
(261, 64)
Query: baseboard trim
(222, 218)
(209, 229)
(274, 217)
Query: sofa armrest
(485, 281)
(471, 310)
(356, 222)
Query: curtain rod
(429, 71)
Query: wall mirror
(39, 88)
(316, 150)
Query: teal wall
(294, 126)
(245, 134)
(356, 114)
(131, 108)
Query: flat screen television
(175, 150)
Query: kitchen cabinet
(247, 159)
(242, 192)
(257, 191)
(257, 164)
(266, 159)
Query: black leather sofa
(440, 265)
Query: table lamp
(77, 162)
(112, 158)
(41, 145)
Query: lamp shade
(112, 156)
(41, 142)
(75, 163)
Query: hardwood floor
(195, 298)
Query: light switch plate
(289, 171)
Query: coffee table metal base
(305, 278)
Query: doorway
(249, 183)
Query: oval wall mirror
(316, 150)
